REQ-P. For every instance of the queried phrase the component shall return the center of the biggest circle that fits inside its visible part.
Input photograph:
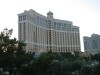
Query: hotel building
(92, 44)
(42, 33)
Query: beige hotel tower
(42, 33)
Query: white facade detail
(46, 33)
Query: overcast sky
(83, 13)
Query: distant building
(92, 44)
(43, 34)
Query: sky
(83, 13)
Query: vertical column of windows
(20, 31)
(36, 34)
(47, 40)
(31, 29)
(65, 41)
(24, 31)
(59, 42)
(56, 40)
(68, 41)
(75, 41)
(43, 36)
(53, 38)
(78, 42)
(46, 37)
(28, 32)
(39, 36)
(32, 34)
(50, 40)
(61, 36)
(78, 39)
(71, 41)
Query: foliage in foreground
(16, 60)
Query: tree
(43, 63)
(12, 54)
(96, 70)
(77, 64)
(55, 67)
(66, 67)
(86, 70)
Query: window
(20, 30)
(24, 17)
(20, 18)
(54, 23)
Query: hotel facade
(92, 44)
(42, 33)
